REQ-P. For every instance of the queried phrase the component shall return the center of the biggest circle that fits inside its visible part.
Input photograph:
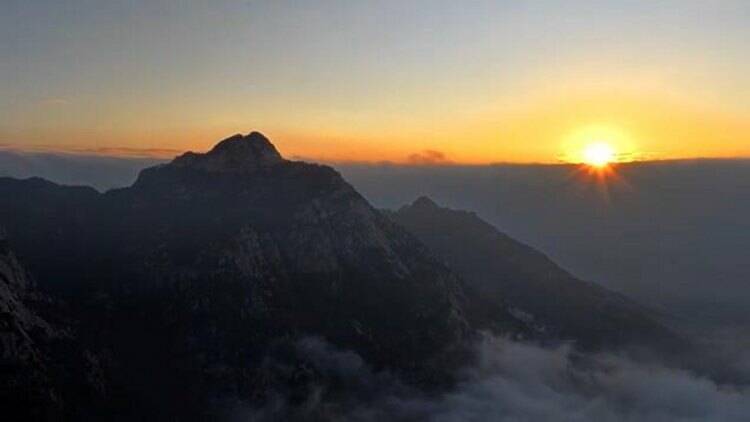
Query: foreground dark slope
(508, 273)
(43, 368)
(25, 383)
(183, 282)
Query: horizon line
(132, 153)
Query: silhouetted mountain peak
(236, 153)
(424, 203)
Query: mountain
(656, 231)
(196, 286)
(502, 271)
(186, 280)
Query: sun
(598, 154)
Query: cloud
(124, 152)
(510, 381)
(428, 157)
(515, 381)
(99, 171)
(128, 152)
(83, 152)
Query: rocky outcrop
(25, 386)
(237, 153)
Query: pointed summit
(236, 153)
(424, 203)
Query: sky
(430, 82)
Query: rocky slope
(25, 386)
(186, 279)
(514, 276)
(46, 373)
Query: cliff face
(25, 386)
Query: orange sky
(480, 83)
(545, 130)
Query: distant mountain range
(176, 290)
(670, 234)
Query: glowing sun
(598, 154)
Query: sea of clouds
(508, 381)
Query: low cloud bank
(510, 381)
(100, 172)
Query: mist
(99, 172)
(508, 381)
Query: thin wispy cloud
(428, 157)
(124, 152)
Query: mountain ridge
(495, 265)
(237, 153)
(207, 261)
(183, 284)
